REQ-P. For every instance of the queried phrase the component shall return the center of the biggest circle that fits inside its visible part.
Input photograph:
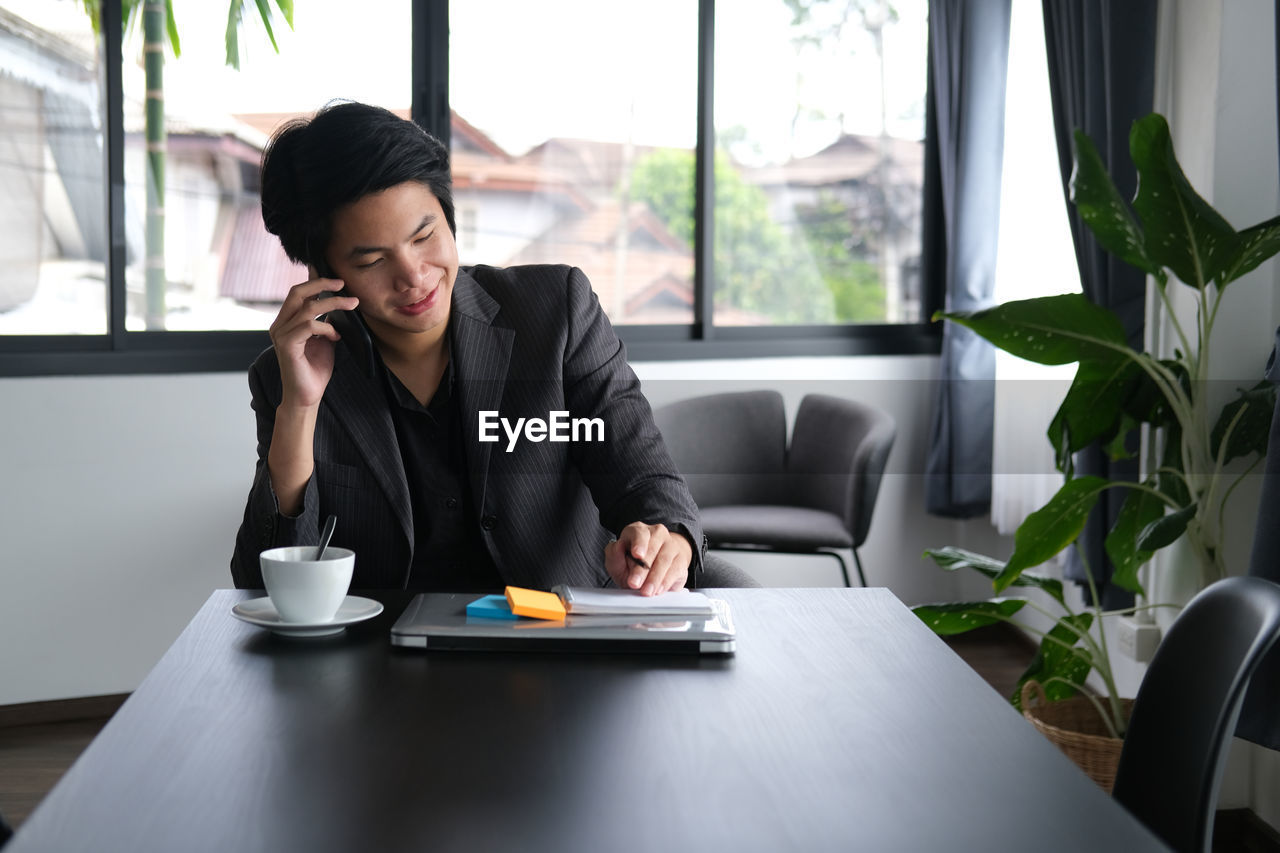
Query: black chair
(1259, 721)
(755, 492)
(719, 572)
(1187, 707)
(5, 832)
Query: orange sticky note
(535, 603)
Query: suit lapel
(361, 408)
(483, 352)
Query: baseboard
(1242, 831)
(61, 710)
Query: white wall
(1216, 83)
(121, 499)
(122, 496)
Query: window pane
(53, 231)
(820, 161)
(202, 260)
(573, 136)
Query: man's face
(394, 251)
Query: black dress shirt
(448, 553)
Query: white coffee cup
(303, 589)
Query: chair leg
(844, 567)
(858, 561)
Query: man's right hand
(304, 342)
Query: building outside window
(53, 227)
(574, 139)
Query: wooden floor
(34, 757)
(999, 653)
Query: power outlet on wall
(1137, 639)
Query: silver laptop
(440, 621)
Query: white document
(582, 600)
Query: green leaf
(1165, 530)
(1139, 510)
(93, 8)
(1251, 433)
(130, 11)
(286, 9)
(235, 9)
(1183, 232)
(1093, 407)
(1118, 446)
(1255, 245)
(1055, 660)
(1103, 210)
(1049, 329)
(171, 25)
(952, 558)
(961, 616)
(264, 10)
(1170, 483)
(1053, 527)
(1147, 402)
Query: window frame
(122, 352)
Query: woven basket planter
(1074, 726)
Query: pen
(639, 562)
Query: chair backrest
(1186, 709)
(1259, 721)
(839, 448)
(729, 447)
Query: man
(435, 409)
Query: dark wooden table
(841, 724)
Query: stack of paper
(581, 600)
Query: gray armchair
(755, 492)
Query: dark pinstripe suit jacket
(527, 341)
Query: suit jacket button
(489, 522)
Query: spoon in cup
(330, 523)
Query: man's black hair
(346, 151)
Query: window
(579, 131)
(1035, 257)
(214, 266)
(820, 112)
(53, 220)
(579, 149)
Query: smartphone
(355, 335)
(323, 270)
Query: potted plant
(1178, 239)
(1069, 651)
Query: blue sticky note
(491, 607)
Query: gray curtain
(968, 56)
(1101, 79)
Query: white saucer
(260, 612)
